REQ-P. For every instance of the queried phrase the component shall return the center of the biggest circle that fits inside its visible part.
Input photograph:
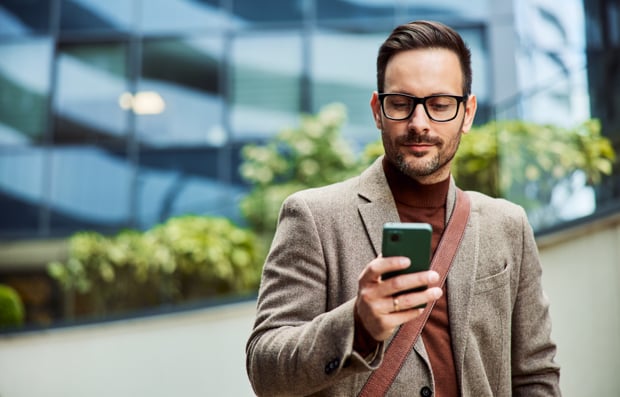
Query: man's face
(422, 148)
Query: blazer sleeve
(534, 372)
(297, 346)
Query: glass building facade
(122, 113)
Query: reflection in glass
(440, 9)
(551, 62)
(24, 90)
(21, 189)
(476, 40)
(183, 181)
(90, 188)
(97, 16)
(184, 74)
(354, 11)
(265, 11)
(18, 17)
(91, 79)
(181, 16)
(347, 76)
(266, 83)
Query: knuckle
(365, 295)
(397, 283)
(384, 324)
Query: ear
(470, 112)
(375, 106)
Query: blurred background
(145, 147)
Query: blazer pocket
(494, 281)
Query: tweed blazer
(302, 341)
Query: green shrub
(186, 258)
(11, 308)
(311, 155)
(502, 157)
(527, 162)
(521, 161)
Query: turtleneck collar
(411, 193)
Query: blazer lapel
(377, 205)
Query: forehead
(423, 72)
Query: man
(325, 315)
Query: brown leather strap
(381, 379)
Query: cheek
(389, 141)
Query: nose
(418, 120)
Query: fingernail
(433, 277)
(405, 261)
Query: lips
(418, 149)
(418, 145)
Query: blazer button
(426, 392)
(332, 366)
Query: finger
(414, 300)
(410, 281)
(380, 265)
(403, 316)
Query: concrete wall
(190, 354)
(582, 279)
(201, 353)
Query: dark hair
(424, 34)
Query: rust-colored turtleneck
(427, 203)
(423, 203)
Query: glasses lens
(397, 107)
(442, 108)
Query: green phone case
(412, 240)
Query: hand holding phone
(412, 240)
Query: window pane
(182, 76)
(21, 189)
(24, 90)
(181, 16)
(268, 11)
(97, 16)
(354, 11)
(441, 9)
(335, 80)
(551, 62)
(90, 189)
(91, 81)
(19, 17)
(266, 84)
(476, 41)
(183, 181)
(553, 85)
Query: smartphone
(412, 240)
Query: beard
(421, 165)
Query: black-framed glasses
(437, 107)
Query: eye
(398, 102)
(440, 104)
